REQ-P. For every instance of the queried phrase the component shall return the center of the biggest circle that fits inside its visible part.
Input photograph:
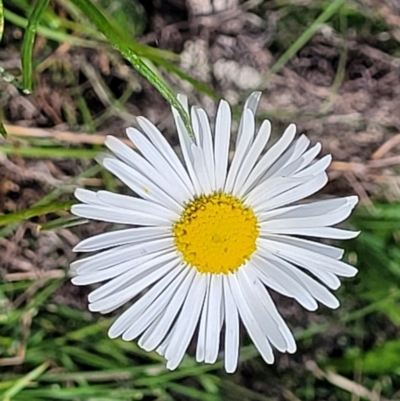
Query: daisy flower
(210, 238)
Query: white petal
(242, 148)
(316, 168)
(207, 145)
(251, 104)
(99, 276)
(159, 329)
(136, 205)
(157, 294)
(86, 196)
(318, 291)
(121, 254)
(269, 305)
(269, 158)
(271, 269)
(129, 284)
(231, 329)
(267, 324)
(318, 232)
(165, 149)
(150, 152)
(213, 319)
(251, 158)
(290, 156)
(310, 155)
(327, 250)
(116, 215)
(222, 139)
(186, 146)
(308, 259)
(142, 318)
(250, 322)
(144, 187)
(313, 208)
(121, 237)
(262, 195)
(186, 323)
(201, 336)
(297, 193)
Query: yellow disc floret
(216, 233)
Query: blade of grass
(34, 212)
(28, 41)
(51, 153)
(24, 381)
(304, 38)
(119, 41)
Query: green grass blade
(1, 19)
(50, 153)
(304, 37)
(27, 44)
(2, 129)
(24, 381)
(34, 211)
(120, 42)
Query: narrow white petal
(251, 158)
(186, 323)
(308, 259)
(269, 305)
(136, 205)
(250, 104)
(143, 318)
(116, 215)
(200, 167)
(297, 193)
(162, 326)
(318, 232)
(162, 166)
(327, 250)
(155, 295)
(121, 254)
(318, 291)
(86, 196)
(250, 322)
(213, 319)
(269, 158)
(316, 168)
(222, 139)
(165, 149)
(186, 146)
(267, 324)
(310, 155)
(242, 148)
(144, 187)
(290, 156)
(271, 269)
(207, 145)
(312, 209)
(121, 237)
(231, 329)
(99, 276)
(135, 283)
(262, 195)
(201, 337)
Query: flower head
(209, 239)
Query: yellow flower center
(216, 233)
